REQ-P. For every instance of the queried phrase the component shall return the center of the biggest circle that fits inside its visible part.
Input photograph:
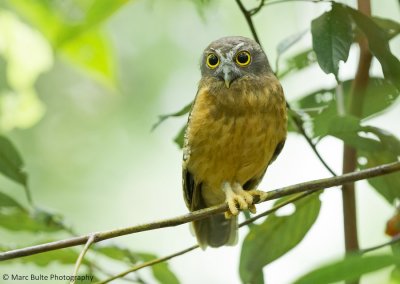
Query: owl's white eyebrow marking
(234, 50)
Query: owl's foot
(238, 199)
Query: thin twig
(275, 208)
(299, 124)
(203, 213)
(269, 3)
(249, 20)
(394, 240)
(257, 9)
(110, 274)
(148, 263)
(244, 223)
(81, 256)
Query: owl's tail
(216, 231)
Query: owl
(236, 128)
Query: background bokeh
(90, 154)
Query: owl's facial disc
(227, 70)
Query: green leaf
(276, 236)
(298, 62)
(180, 137)
(378, 42)
(91, 52)
(11, 164)
(77, 35)
(7, 201)
(178, 113)
(56, 22)
(350, 268)
(372, 151)
(332, 37)
(321, 105)
(117, 253)
(392, 28)
(15, 219)
(288, 42)
(161, 271)
(389, 151)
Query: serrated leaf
(11, 164)
(350, 268)
(332, 37)
(178, 113)
(378, 43)
(161, 271)
(276, 236)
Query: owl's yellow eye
(243, 58)
(212, 60)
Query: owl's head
(231, 58)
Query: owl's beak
(227, 79)
(228, 75)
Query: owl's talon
(258, 195)
(237, 199)
(252, 209)
(228, 214)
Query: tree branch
(349, 153)
(244, 223)
(203, 213)
(249, 20)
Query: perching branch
(244, 223)
(297, 120)
(203, 213)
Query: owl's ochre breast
(232, 135)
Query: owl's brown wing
(191, 190)
(253, 183)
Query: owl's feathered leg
(237, 199)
